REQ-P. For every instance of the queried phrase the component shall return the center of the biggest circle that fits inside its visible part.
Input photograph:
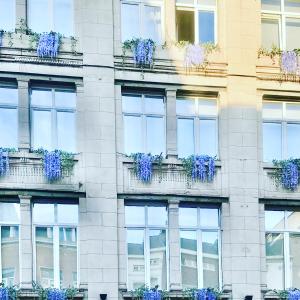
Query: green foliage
(70, 292)
(188, 164)
(272, 53)
(73, 44)
(13, 291)
(138, 293)
(189, 293)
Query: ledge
(29, 294)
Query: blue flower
(290, 176)
(48, 45)
(294, 294)
(152, 295)
(143, 52)
(56, 294)
(204, 294)
(194, 56)
(52, 165)
(4, 162)
(203, 168)
(289, 62)
(4, 295)
(1, 37)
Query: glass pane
(188, 217)
(63, 17)
(293, 220)
(185, 25)
(132, 103)
(272, 110)
(269, 33)
(270, 5)
(68, 257)
(43, 213)
(293, 111)
(208, 137)
(65, 99)
(275, 261)
(42, 130)
(185, 107)
(136, 259)
(67, 214)
(44, 256)
(210, 259)
(9, 212)
(292, 33)
(10, 255)
(158, 260)
(152, 25)
(185, 1)
(185, 137)
(271, 141)
(9, 128)
(130, 21)
(66, 131)
(135, 215)
(206, 27)
(154, 105)
(157, 216)
(209, 217)
(8, 95)
(294, 259)
(207, 107)
(292, 6)
(155, 135)
(39, 21)
(41, 98)
(133, 136)
(274, 220)
(7, 15)
(189, 270)
(207, 2)
(293, 141)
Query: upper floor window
(142, 19)
(7, 15)
(53, 119)
(196, 21)
(51, 15)
(197, 126)
(280, 23)
(282, 248)
(146, 246)
(281, 130)
(144, 123)
(9, 116)
(56, 257)
(199, 247)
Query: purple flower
(48, 45)
(56, 294)
(203, 168)
(4, 295)
(4, 162)
(144, 166)
(290, 176)
(152, 295)
(143, 52)
(1, 37)
(204, 294)
(293, 295)
(289, 62)
(52, 165)
(194, 56)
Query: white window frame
(196, 8)
(199, 229)
(56, 243)
(147, 228)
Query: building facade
(101, 229)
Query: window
(7, 15)
(51, 15)
(282, 248)
(281, 129)
(56, 257)
(142, 19)
(9, 116)
(53, 119)
(199, 247)
(146, 246)
(280, 23)
(144, 123)
(197, 126)
(9, 236)
(196, 21)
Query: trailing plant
(4, 160)
(53, 293)
(8, 292)
(201, 294)
(199, 167)
(73, 44)
(290, 294)
(48, 44)
(145, 293)
(1, 37)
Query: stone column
(20, 12)
(171, 123)
(170, 21)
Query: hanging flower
(4, 162)
(1, 37)
(52, 165)
(194, 56)
(289, 62)
(48, 45)
(153, 294)
(56, 294)
(4, 294)
(205, 294)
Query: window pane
(158, 260)
(275, 261)
(155, 135)
(39, 21)
(207, 2)
(185, 24)
(293, 141)
(292, 6)
(270, 33)
(210, 259)
(136, 259)
(270, 5)
(9, 128)
(206, 27)
(152, 26)
(9, 212)
(68, 257)
(42, 129)
(185, 137)
(67, 214)
(292, 33)
(274, 220)
(185, 107)
(157, 216)
(7, 15)
(65, 99)
(8, 95)
(188, 217)
(272, 110)
(208, 107)
(209, 217)
(63, 17)
(41, 98)
(154, 105)
(66, 129)
(294, 259)
(10, 255)
(44, 256)
(271, 141)
(293, 220)
(132, 103)
(133, 134)
(189, 270)
(43, 213)
(208, 137)
(185, 1)
(135, 215)
(293, 111)
(130, 21)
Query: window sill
(30, 294)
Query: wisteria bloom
(1, 37)
(203, 168)
(48, 45)
(4, 295)
(4, 162)
(194, 56)
(204, 294)
(52, 165)
(290, 176)
(289, 62)
(294, 295)
(143, 52)
(152, 295)
(144, 166)
(56, 294)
